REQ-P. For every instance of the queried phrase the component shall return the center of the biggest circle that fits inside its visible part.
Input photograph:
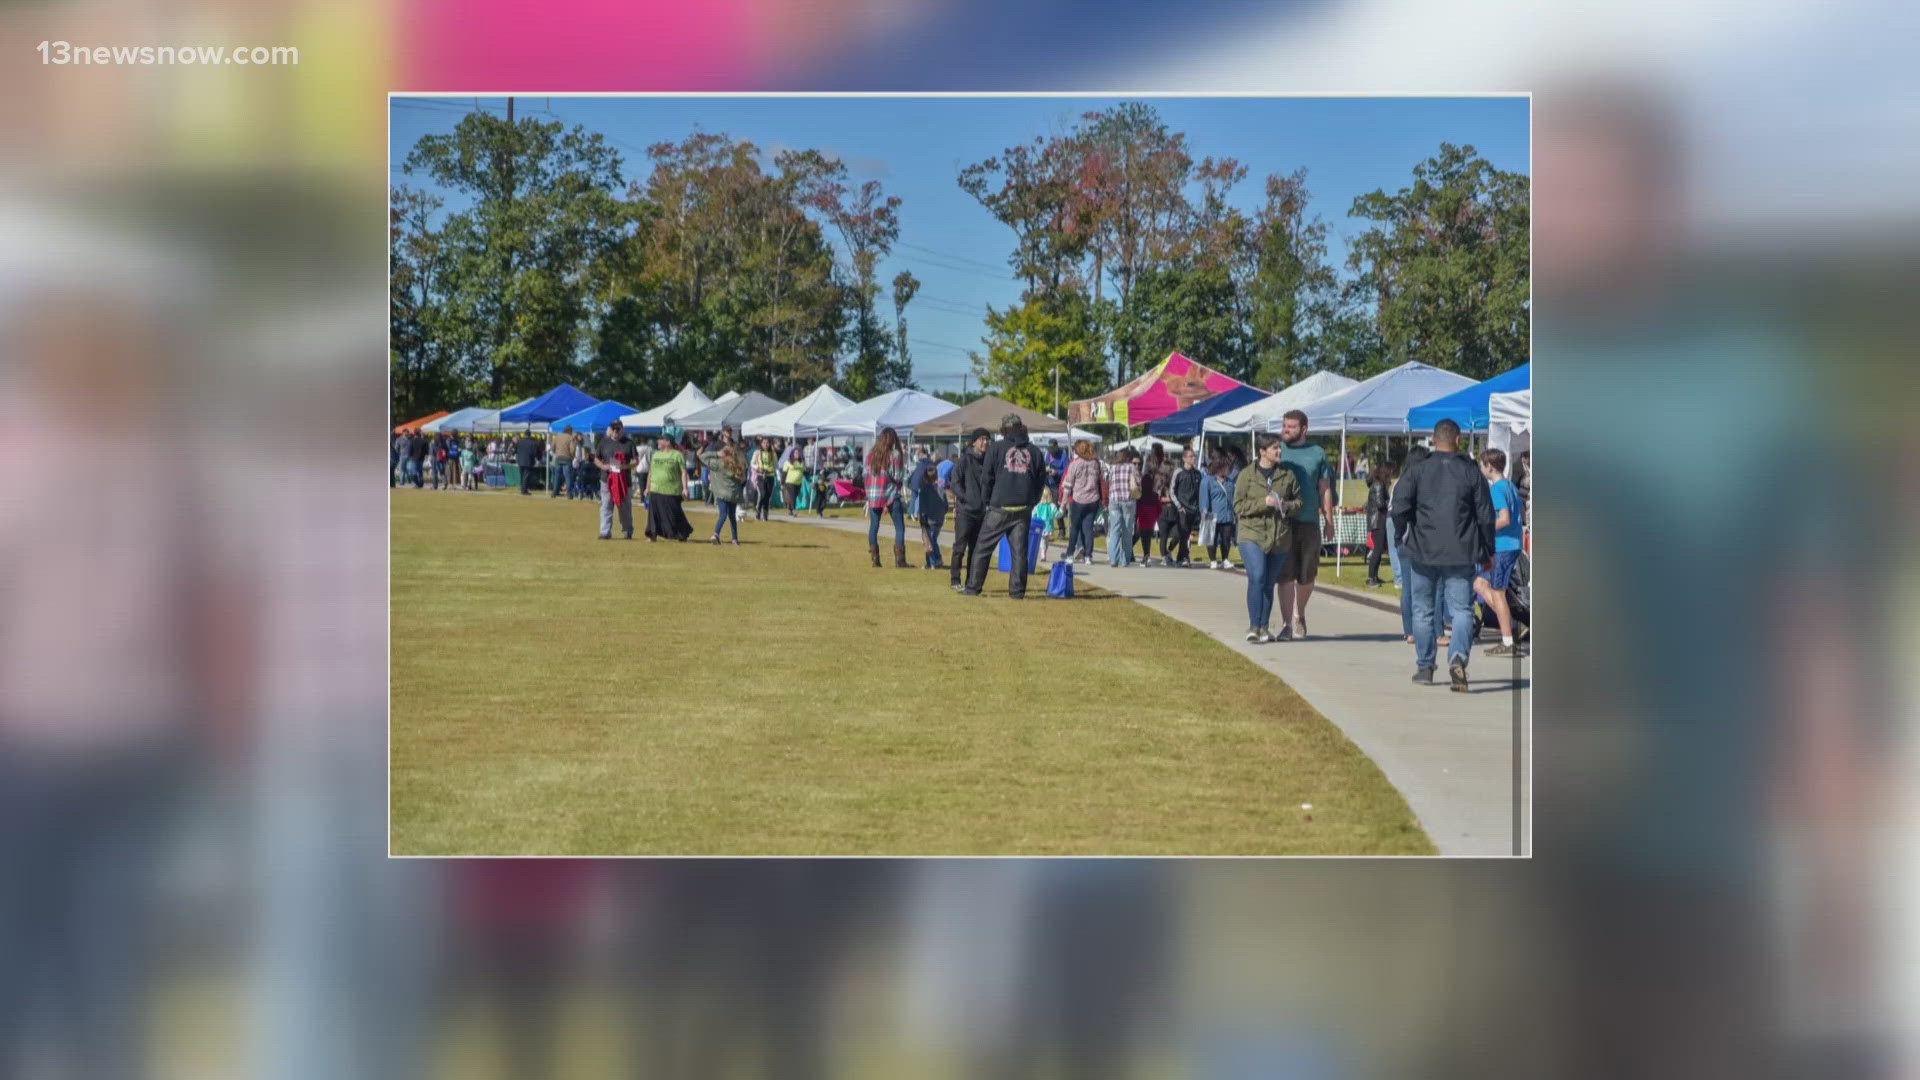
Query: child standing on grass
(1044, 515)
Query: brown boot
(900, 557)
(874, 550)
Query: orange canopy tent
(1174, 384)
(413, 425)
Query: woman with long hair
(1265, 498)
(1216, 498)
(1083, 489)
(726, 474)
(886, 476)
(1147, 510)
(1379, 501)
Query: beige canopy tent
(987, 412)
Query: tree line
(1130, 248)
(531, 261)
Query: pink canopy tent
(1172, 385)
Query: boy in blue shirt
(1490, 584)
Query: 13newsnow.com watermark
(67, 54)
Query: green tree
(541, 209)
(1195, 310)
(1446, 264)
(899, 371)
(1028, 344)
(1289, 277)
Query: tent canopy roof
(734, 413)
(454, 420)
(594, 417)
(1188, 421)
(821, 403)
(901, 410)
(1513, 409)
(552, 405)
(411, 424)
(1172, 385)
(987, 412)
(690, 399)
(1254, 416)
(1379, 405)
(1468, 406)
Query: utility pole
(1056, 391)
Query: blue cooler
(1003, 560)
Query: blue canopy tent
(560, 401)
(1468, 406)
(594, 418)
(1188, 421)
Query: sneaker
(1285, 634)
(1266, 637)
(969, 592)
(1424, 676)
(1255, 635)
(1301, 622)
(1457, 671)
(1213, 564)
(1502, 649)
(956, 586)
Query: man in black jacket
(1180, 514)
(526, 453)
(1016, 473)
(969, 501)
(1444, 513)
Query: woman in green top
(727, 473)
(667, 479)
(1264, 497)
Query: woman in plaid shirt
(886, 474)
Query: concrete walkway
(1452, 756)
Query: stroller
(1519, 602)
(846, 492)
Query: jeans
(966, 532)
(439, 475)
(1432, 585)
(899, 524)
(1406, 594)
(1176, 531)
(728, 512)
(1015, 526)
(1263, 580)
(607, 508)
(563, 479)
(1120, 532)
(393, 467)
(930, 525)
(1224, 533)
(410, 472)
(1080, 535)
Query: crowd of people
(1450, 526)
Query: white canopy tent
(1378, 406)
(817, 406)
(1511, 422)
(899, 410)
(689, 399)
(1146, 443)
(733, 413)
(455, 421)
(1074, 435)
(1255, 416)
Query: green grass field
(557, 694)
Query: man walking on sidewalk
(1015, 473)
(1309, 466)
(1445, 512)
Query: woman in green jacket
(727, 474)
(1264, 497)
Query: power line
(955, 258)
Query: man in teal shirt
(1309, 466)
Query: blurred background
(193, 879)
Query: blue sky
(916, 147)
